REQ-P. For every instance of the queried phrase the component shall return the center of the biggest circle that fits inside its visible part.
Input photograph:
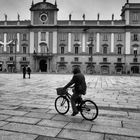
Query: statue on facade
(5, 17)
(18, 16)
(98, 16)
(83, 16)
(69, 16)
(112, 16)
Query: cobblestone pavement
(27, 109)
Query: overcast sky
(76, 7)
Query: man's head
(76, 70)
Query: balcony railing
(42, 54)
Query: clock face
(43, 17)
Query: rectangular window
(24, 49)
(43, 36)
(135, 60)
(76, 50)
(24, 37)
(119, 60)
(89, 59)
(76, 37)
(90, 50)
(135, 52)
(104, 59)
(62, 50)
(76, 59)
(119, 50)
(62, 36)
(11, 49)
(62, 59)
(119, 38)
(105, 37)
(135, 17)
(24, 59)
(135, 37)
(11, 58)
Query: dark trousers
(29, 74)
(24, 74)
(74, 98)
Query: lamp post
(15, 40)
(91, 53)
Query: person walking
(29, 71)
(24, 72)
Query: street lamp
(91, 53)
(15, 42)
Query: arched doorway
(43, 65)
(105, 69)
(135, 69)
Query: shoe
(74, 113)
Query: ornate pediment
(43, 6)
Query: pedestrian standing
(24, 72)
(29, 71)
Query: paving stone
(3, 117)
(52, 123)
(40, 115)
(104, 122)
(32, 129)
(116, 137)
(114, 130)
(79, 126)
(67, 118)
(23, 120)
(129, 124)
(13, 112)
(5, 135)
(80, 135)
(48, 138)
(2, 123)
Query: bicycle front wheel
(62, 105)
(89, 110)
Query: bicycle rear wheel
(62, 105)
(89, 110)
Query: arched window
(76, 48)
(43, 47)
(105, 48)
(62, 50)
(119, 50)
(90, 50)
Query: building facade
(57, 46)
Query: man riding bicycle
(78, 80)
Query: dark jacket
(28, 70)
(79, 83)
(24, 70)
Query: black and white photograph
(70, 70)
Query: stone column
(98, 42)
(18, 42)
(31, 42)
(54, 42)
(5, 41)
(127, 42)
(69, 42)
(83, 42)
(112, 42)
(47, 40)
(39, 39)
(127, 17)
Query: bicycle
(87, 108)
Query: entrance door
(43, 66)
(135, 69)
